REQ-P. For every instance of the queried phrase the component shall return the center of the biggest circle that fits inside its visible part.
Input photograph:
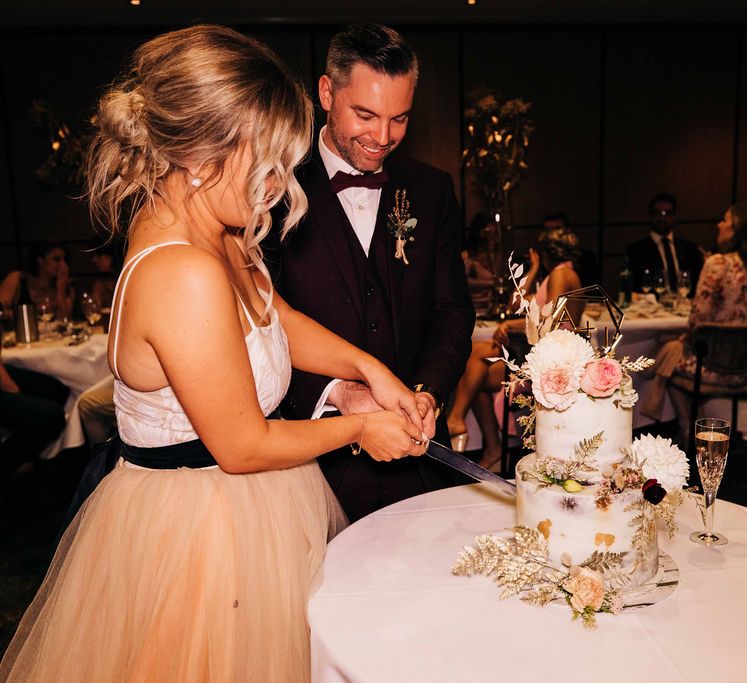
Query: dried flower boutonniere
(401, 224)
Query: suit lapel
(327, 215)
(393, 268)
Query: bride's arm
(193, 327)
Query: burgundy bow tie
(373, 181)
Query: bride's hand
(388, 436)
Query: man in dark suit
(662, 251)
(377, 261)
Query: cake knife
(464, 465)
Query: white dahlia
(661, 460)
(555, 365)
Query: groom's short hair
(378, 47)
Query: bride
(192, 561)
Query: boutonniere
(401, 224)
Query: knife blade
(464, 465)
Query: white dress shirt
(359, 203)
(361, 206)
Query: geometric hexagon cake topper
(592, 294)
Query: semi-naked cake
(572, 505)
(588, 497)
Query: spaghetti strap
(123, 280)
(246, 310)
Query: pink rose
(557, 388)
(601, 377)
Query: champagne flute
(91, 311)
(683, 284)
(646, 281)
(660, 284)
(711, 449)
(45, 313)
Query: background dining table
(641, 336)
(79, 366)
(387, 607)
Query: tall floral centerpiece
(496, 141)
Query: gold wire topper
(593, 294)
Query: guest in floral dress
(721, 297)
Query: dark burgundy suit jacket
(431, 314)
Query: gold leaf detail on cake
(544, 527)
(606, 539)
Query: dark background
(622, 110)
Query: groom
(377, 261)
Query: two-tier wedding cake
(588, 496)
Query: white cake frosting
(557, 433)
(572, 521)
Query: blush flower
(601, 377)
(586, 589)
(555, 366)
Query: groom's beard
(351, 152)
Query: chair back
(722, 346)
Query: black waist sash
(193, 454)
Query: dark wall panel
(741, 165)
(434, 128)
(670, 101)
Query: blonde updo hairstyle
(192, 98)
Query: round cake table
(387, 608)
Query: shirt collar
(656, 237)
(332, 162)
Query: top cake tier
(558, 433)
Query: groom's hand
(427, 408)
(352, 397)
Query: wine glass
(646, 281)
(91, 311)
(711, 449)
(45, 313)
(684, 283)
(660, 284)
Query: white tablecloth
(78, 367)
(388, 609)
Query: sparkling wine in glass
(45, 310)
(660, 284)
(91, 311)
(683, 284)
(647, 281)
(711, 449)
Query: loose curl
(191, 99)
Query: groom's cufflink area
(422, 389)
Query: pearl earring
(196, 182)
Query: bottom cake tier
(575, 524)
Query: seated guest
(720, 297)
(478, 256)
(106, 258)
(96, 409)
(31, 407)
(46, 276)
(661, 250)
(558, 249)
(587, 265)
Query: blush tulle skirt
(181, 575)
